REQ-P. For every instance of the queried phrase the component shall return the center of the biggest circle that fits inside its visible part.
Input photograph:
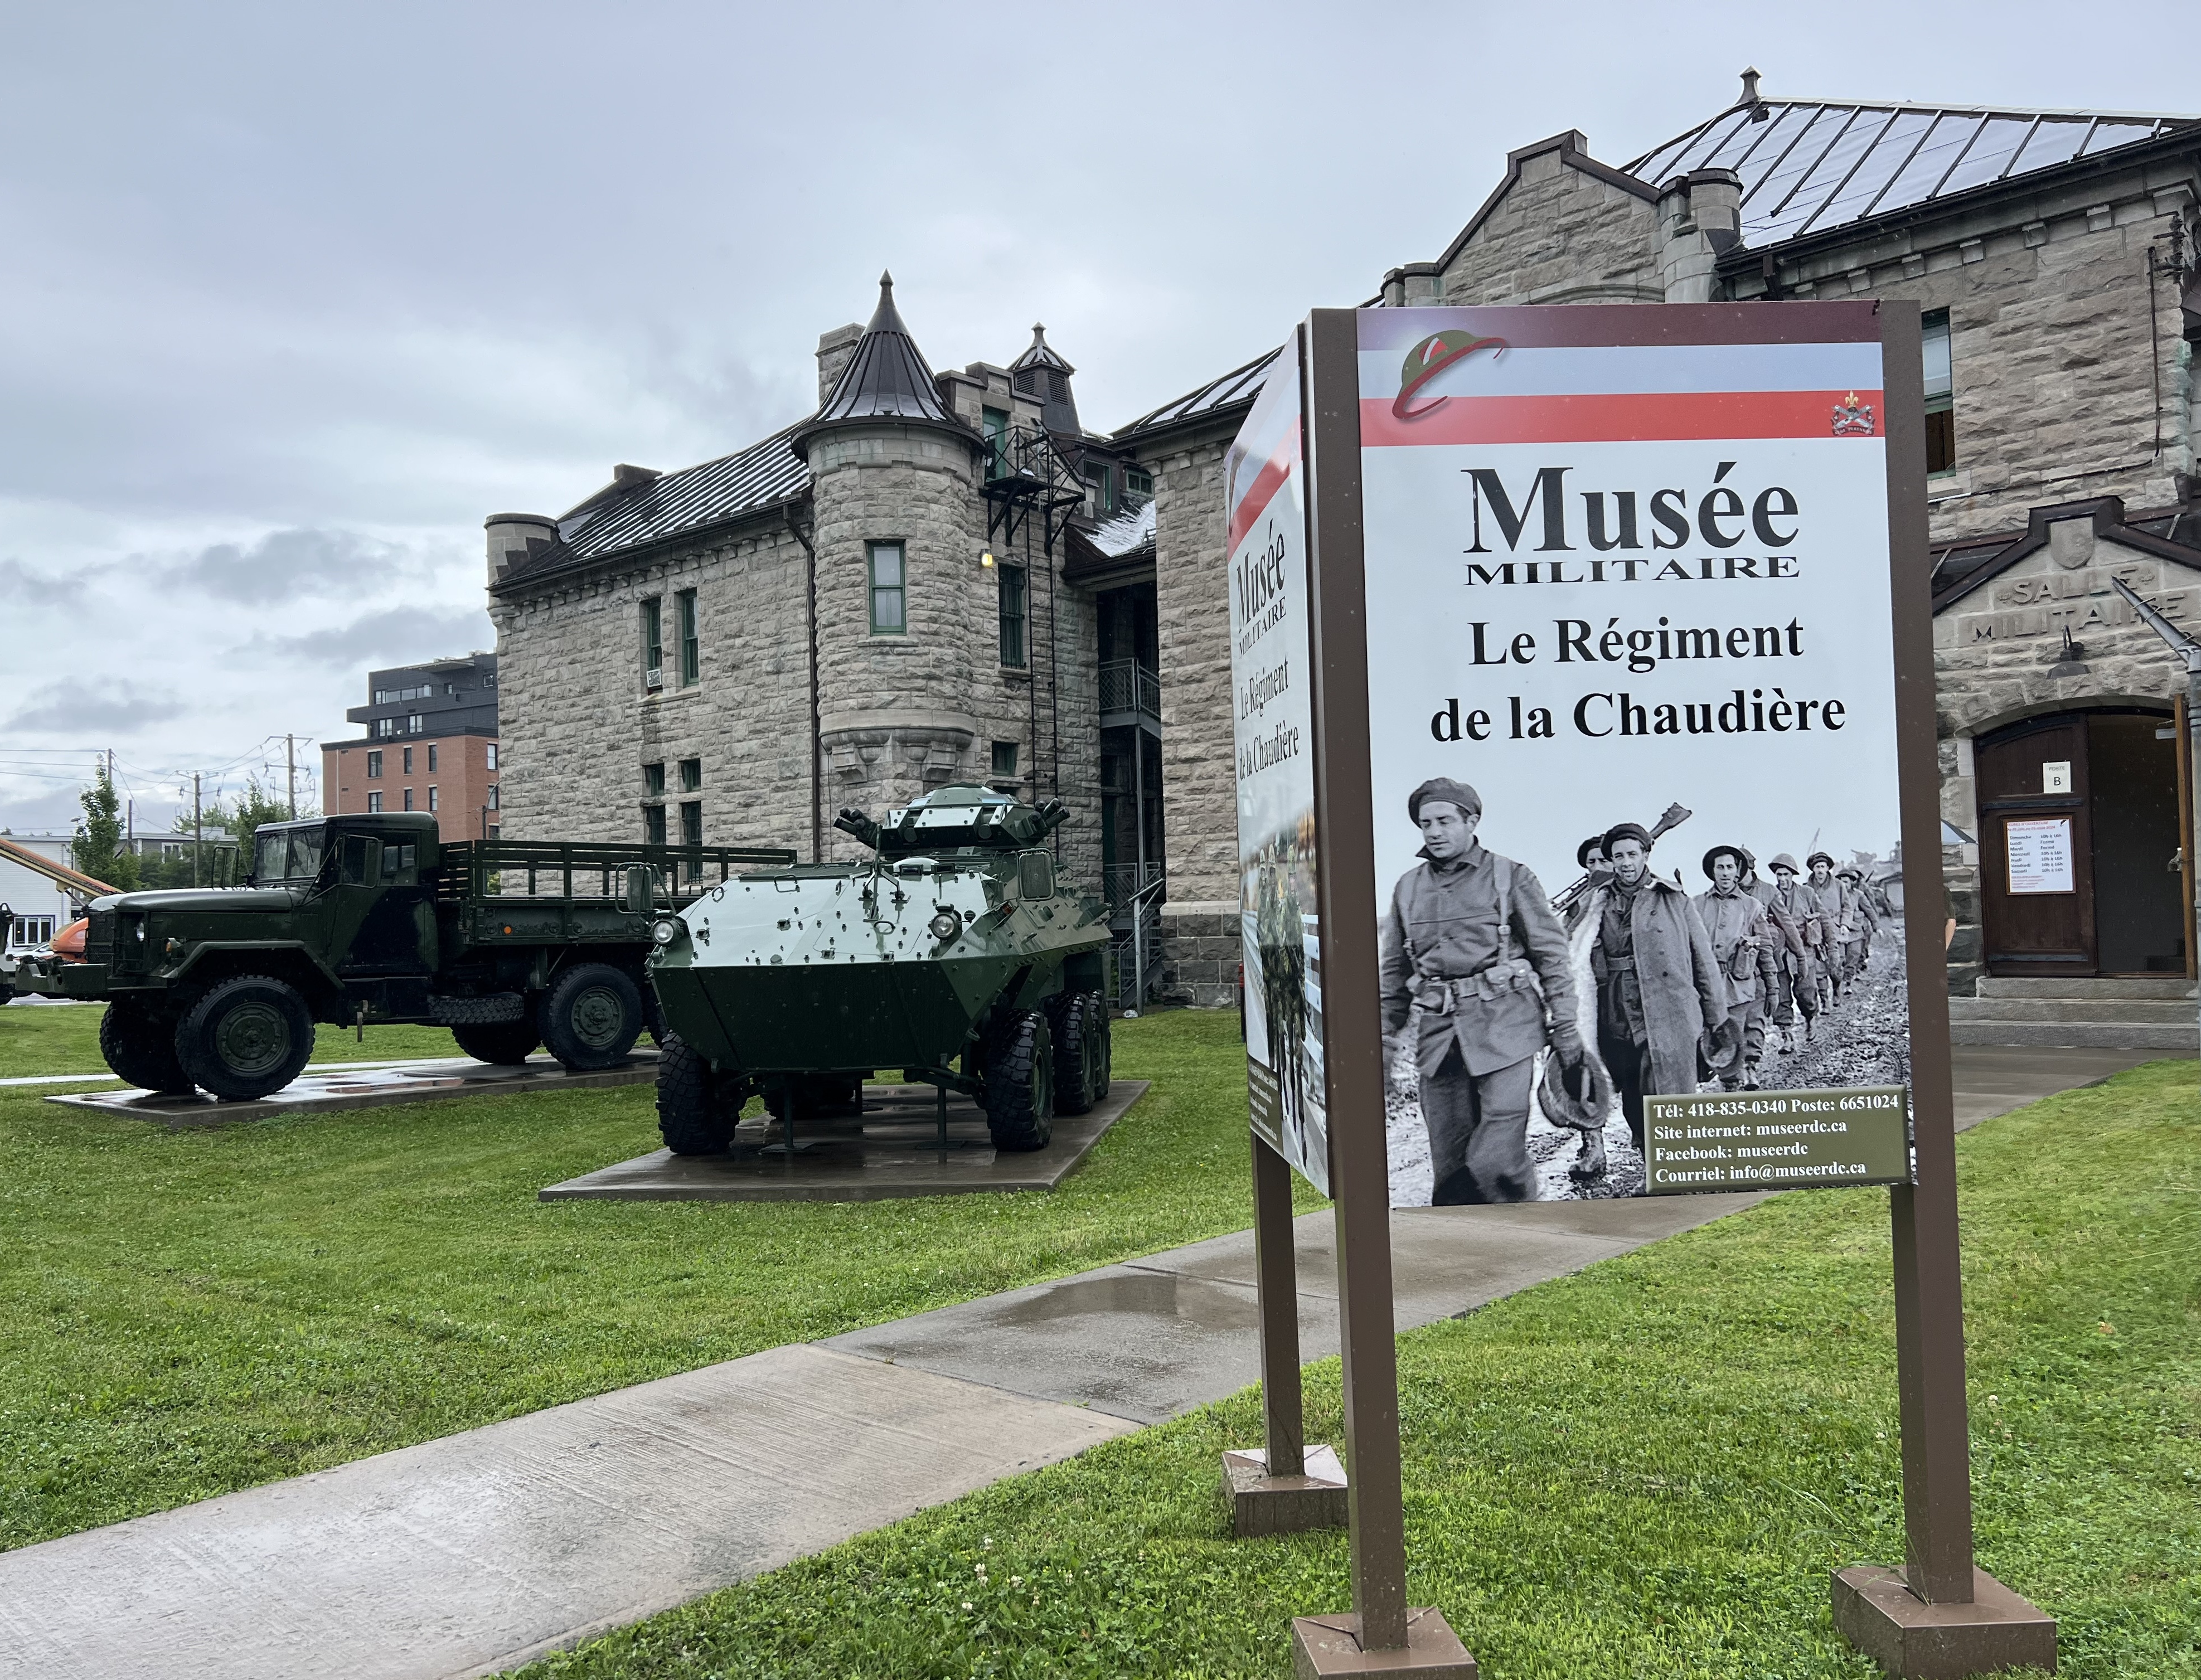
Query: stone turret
(898, 530)
(1699, 221)
(515, 538)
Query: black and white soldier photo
(1524, 1029)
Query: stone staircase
(2129, 1013)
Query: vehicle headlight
(665, 931)
(946, 925)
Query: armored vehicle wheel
(140, 1046)
(654, 1018)
(503, 1044)
(246, 1037)
(592, 1017)
(1079, 1021)
(1020, 1082)
(697, 1109)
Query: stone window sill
(1015, 676)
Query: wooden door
(2033, 775)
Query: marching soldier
(1658, 986)
(1589, 857)
(1470, 939)
(1742, 946)
(1795, 916)
(1829, 907)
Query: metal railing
(1128, 686)
(1135, 951)
(580, 870)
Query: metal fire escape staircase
(1028, 474)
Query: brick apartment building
(431, 744)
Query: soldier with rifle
(1474, 959)
(1661, 1002)
(1830, 906)
(1796, 914)
(1743, 944)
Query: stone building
(914, 586)
(2050, 254)
(741, 647)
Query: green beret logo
(1429, 357)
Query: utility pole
(198, 829)
(291, 764)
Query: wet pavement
(356, 1085)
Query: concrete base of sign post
(1875, 1609)
(1326, 1645)
(1264, 1504)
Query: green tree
(98, 850)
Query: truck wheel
(503, 1044)
(592, 1017)
(697, 1109)
(1020, 1083)
(1080, 1025)
(141, 1048)
(246, 1037)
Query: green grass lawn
(194, 1312)
(1646, 1470)
(43, 1039)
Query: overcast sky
(293, 295)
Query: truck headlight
(946, 925)
(665, 931)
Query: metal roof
(1240, 385)
(887, 376)
(755, 478)
(1808, 166)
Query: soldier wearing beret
(1471, 942)
(1658, 986)
(1742, 946)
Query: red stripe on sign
(1263, 490)
(1638, 417)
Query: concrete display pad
(893, 1151)
(338, 1087)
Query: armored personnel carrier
(954, 953)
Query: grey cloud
(110, 708)
(398, 635)
(286, 565)
(21, 585)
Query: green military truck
(366, 918)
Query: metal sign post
(1940, 1614)
(1383, 1635)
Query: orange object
(68, 944)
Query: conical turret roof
(1041, 371)
(886, 378)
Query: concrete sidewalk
(479, 1551)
